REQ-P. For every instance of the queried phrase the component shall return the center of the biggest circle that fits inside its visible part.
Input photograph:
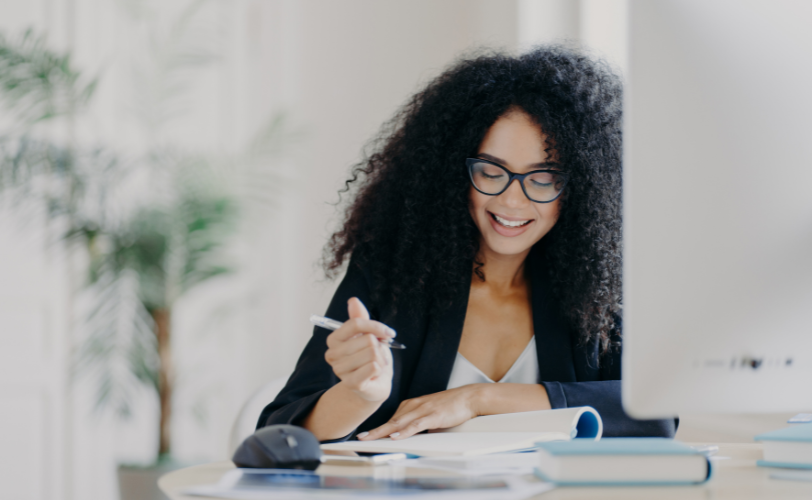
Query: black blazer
(569, 370)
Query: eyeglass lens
(540, 186)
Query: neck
(502, 272)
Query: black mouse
(279, 447)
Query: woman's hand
(434, 411)
(358, 358)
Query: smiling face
(510, 224)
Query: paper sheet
(451, 443)
(519, 488)
(497, 464)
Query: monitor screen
(718, 207)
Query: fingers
(341, 350)
(369, 350)
(386, 430)
(356, 309)
(386, 353)
(403, 426)
(356, 326)
(340, 353)
(415, 426)
(412, 417)
(357, 355)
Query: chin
(507, 248)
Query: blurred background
(170, 174)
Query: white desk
(736, 478)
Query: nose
(513, 196)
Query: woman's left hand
(434, 411)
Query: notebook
(508, 432)
(622, 461)
(790, 447)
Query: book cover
(790, 447)
(622, 461)
(797, 432)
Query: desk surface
(734, 478)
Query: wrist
(479, 397)
(358, 399)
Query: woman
(486, 231)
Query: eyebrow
(486, 156)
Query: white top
(525, 370)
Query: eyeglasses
(540, 186)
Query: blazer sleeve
(599, 387)
(313, 376)
(604, 396)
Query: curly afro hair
(409, 221)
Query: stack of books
(621, 461)
(790, 447)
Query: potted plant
(142, 252)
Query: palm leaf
(147, 249)
(37, 84)
(119, 353)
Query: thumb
(356, 309)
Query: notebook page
(562, 421)
(450, 444)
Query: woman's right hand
(357, 356)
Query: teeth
(509, 223)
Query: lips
(511, 223)
(509, 227)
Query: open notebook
(490, 434)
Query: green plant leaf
(119, 353)
(36, 83)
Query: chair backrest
(246, 422)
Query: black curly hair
(409, 221)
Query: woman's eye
(491, 176)
(540, 184)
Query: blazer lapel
(444, 330)
(440, 348)
(553, 344)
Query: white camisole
(525, 370)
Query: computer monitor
(718, 207)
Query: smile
(510, 223)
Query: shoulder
(357, 282)
(359, 267)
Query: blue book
(790, 447)
(621, 461)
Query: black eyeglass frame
(469, 162)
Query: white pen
(331, 324)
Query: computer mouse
(279, 447)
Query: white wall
(599, 26)
(339, 69)
(35, 394)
